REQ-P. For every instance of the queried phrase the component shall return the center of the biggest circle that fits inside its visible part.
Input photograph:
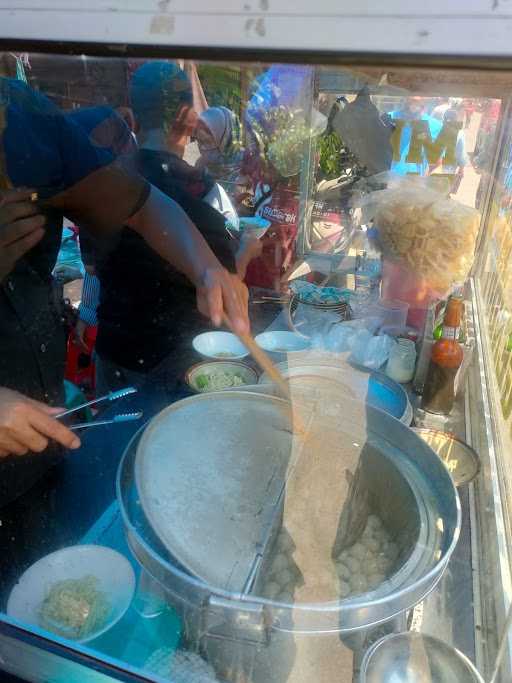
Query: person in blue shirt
(411, 140)
(44, 151)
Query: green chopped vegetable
(201, 381)
(217, 380)
(74, 608)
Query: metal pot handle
(235, 620)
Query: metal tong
(122, 417)
(111, 396)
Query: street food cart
(355, 529)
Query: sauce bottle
(446, 359)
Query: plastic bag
(343, 336)
(372, 352)
(339, 337)
(311, 322)
(419, 227)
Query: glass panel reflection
(171, 503)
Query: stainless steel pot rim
(428, 580)
(325, 609)
(275, 623)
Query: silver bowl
(413, 658)
(462, 461)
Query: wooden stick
(268, 366)
(262, 359)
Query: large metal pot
(223, 462)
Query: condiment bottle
(367, 275)
(446, 359)
(402, 361)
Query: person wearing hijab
(218, 138)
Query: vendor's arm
(27, 425)
(169, 231)
(84, 183)
(111, 197)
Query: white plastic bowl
(282, 342)
(219, 345)
(116, 579)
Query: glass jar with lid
(402, 361)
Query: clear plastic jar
(402, 361)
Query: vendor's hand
(21, 227)
(222, 293)
(79, 333)
(27, 425)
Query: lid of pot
(209, 471)
(217, 474)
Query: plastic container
(399, 282)
(402, 361)
(368, 272)
(390, 312)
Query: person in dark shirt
(68, 176)
(146, 314)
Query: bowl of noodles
(219, 376)
(77, 593)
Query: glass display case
(172, 507)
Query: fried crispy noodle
(434, 235)
(74, 608)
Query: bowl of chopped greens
(219, 345)
(77, 592)
(219, 375)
